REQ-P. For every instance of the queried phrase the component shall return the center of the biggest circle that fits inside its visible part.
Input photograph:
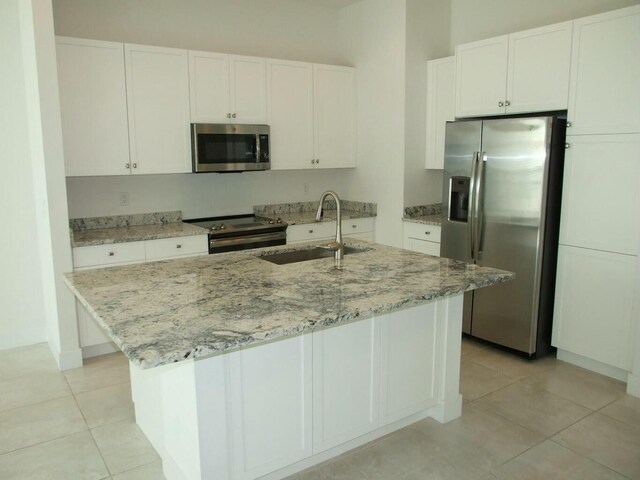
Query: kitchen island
(242, 368)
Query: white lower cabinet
(593, 314)
(355, 228)
(269, 433)
(407, 363)
(345, 382)
(423, 238)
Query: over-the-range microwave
(229, 147)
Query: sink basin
(306, 254)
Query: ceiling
(330, 3)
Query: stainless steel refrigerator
(501, 208)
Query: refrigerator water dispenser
(459, 199)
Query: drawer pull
(111, 254)
(427, 232)
(310, 231)
(178, 246)
(354, 226)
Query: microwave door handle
(258, 157)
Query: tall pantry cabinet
(595, 317)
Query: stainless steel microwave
(229, 148)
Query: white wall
(427, 33)
(478, 19)
(271, 28)
(373, 33)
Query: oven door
(245, 242)
(230, 148)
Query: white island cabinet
(270, 410)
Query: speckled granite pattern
(280, 209)
(426, 219)
(137, 233)
(116, 221)
(299, 218)
(423, 210)
(164, 312)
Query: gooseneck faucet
(336, 245)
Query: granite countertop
(434, 219)
(164, 312)
(134, 233)
(300, 213)
(301, 218)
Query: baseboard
(633, 385)
(593, 365)
(100, 349)
(68, 359)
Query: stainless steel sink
(306, 254)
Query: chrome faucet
(336, 246)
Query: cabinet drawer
(357, 225)
(110, 254)
(310, 231)
(176, 247)
(422, 231)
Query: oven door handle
(226, 242)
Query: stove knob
(223, 226)
(279, 220)
(271, 222)
(214, 228)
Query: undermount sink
(315, 253)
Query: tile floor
(521, 420)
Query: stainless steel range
(241, 232)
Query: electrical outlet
(306, 189)
(124, 199)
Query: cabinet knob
(317, 161)
(313, 161)
(111, 254)
(501, 104)
(354, 226)
(178, 246)
(228, 115)
(427, 232)
(567, 145)
(234, 115)
(507, 103)
(127, 166)
(310, 231)
(569, 124)
(135, 165)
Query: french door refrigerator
(501, 208)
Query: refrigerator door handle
(472, 201)
(478, 207)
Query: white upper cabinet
(227, 88)
(522, 72)
(334, 113)
(158, 98)
(604, 94)
(290, 114)
(601, 181)
(93, 104)
(481, 76)
(440, 107)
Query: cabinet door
(481, 77)
(407, 362)
(269, 433)
(311, 231)
(345, 382)
(334, 110)
(441, 93)
(604, 96)
(422, 246)
(209, 87)
(538, 74)
(593, 305)
(290, 114)
(601, 193)
(89, 330)
(93, 104)
(158, 96)
(248, 90)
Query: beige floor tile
(606, 441)
(470, 346)
(98, 372)
(627, 410)
(481, 436)
(106, 405)
(511, 365)
(123, 446)
(533, 408)
(477, 380)
(74, 457)
(581, 386)
(153, 471)
(549, 461)
(32, 388)
(25, 426)
(17, 362)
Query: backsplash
(370, 209)
(422, 210)
(91, 223)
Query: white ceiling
(337, 4)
